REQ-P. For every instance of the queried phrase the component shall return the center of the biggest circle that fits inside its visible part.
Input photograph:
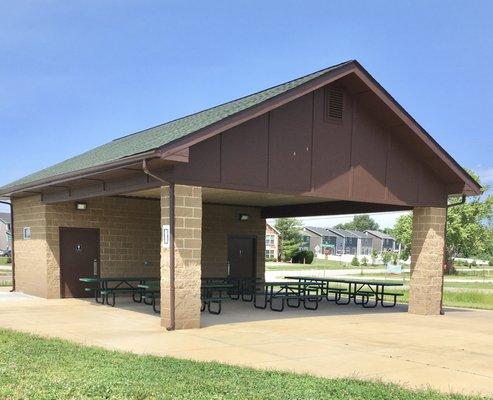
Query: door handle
(95, 267)
(229, 268)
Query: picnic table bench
(243, 288)
(107, 288)
(308, 293)
(214, 293)
(358, 290)
(151, 293)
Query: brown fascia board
(178, 148)
(179, 157)
(394, 105)
(61, 178)
(258, 109)
(305, 88)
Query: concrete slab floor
(451, 353)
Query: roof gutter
(12, 240)
(82, 173)
(172, 319)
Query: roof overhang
(177, 151)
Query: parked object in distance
(5, 253)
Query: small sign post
(166, 241)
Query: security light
(80, 206)
(244, 217)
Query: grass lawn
(35, 368)
(316, 264)
(3, 260)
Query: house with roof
(189, 198)
(322, 241)
(364, 243)
(5, 231)
(382, 241)
(272, 238)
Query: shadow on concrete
(237, 311)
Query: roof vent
(335, 103)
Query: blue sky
(76, 74)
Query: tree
(374, 256)
(402, 232)
(469, 232)
(289, 229)
(360, 223)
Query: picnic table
(356, 288)
(108, 287)
(309, 293)
(243, 287)
(151, 293)
(214, 292)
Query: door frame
(254, 249)
(60, 253)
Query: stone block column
(187, 260)
(427, 260)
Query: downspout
(12, 240)
(171, 326)
(462, 201)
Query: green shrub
(374, 256)
(303, 257)
(473, 263)
(364, 261)
(386, 257)
(355, 261)
(490, 262)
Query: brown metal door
(79, 251)
(241, 257)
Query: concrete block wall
(129, 234)
(427, 260)
(188, 244)
(221, 221)
(31, 255)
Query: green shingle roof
(161, 135)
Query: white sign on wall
(166, 238)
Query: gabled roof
(316, 230)
(5, 217)
(273, 228)
(330, 231)
(342, 232)
(380, 235)
(179, 134)
(360, 234)
(161, 135)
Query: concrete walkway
(449, 353)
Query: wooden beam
(110, 188)
(329, 208)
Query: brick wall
(220, 221)
(129, 232)
(427, 259)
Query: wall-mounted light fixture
(80, 206)
(243, 217)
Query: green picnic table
(213, 293)
(356, 288)
(108, 287)
(308, 293)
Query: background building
(5, 231)
(272, 236)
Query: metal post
(171, 326)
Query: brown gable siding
(295, 149)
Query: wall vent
(335, 103)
